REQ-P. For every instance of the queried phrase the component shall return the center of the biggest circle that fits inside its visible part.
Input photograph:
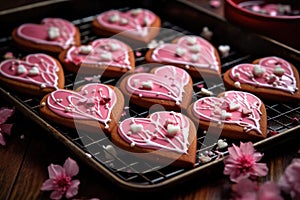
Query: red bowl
(283, 28)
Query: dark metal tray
(184, 18)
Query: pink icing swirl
(238, 108)
(37, 69)
(244, 73)
(101, 52)
(153, 132)
(39, 33)
(189, 51)
(135, 21)
(167, 82)
(93, 102)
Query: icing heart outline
(136, 23)
(202, 57)
(213, 109)
(47, 67)
(154, 134)
(120, 56)
(38, 33)
(93, 102)
(164, 87)
(286, 82)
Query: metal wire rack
(280, 117)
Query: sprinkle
(43, 104)
(224, 50)
(8, 55)
(86, 49)
(200, 85)
(215, 3)
(132, 144)
(206, 92)
(204, 159)
(222, 144)
(237, 84)
(138, 54)
(22, 136)
(206, 33)
(109, 152)
(295, 120)
(43, 85)
(53, 33)
(272, 133)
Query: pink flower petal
(48, 185)
(56, 195)
(247, 148)
(260, 169)
(269, 191)
(73, 189)
(245, 189)
(5, 113)
(55, 171)
(2, 140)
(6, 128)
(71, 167)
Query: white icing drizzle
(285, 82)
(200, 50)
(134, 26)
(151, 139)
(92, 109)
(214, 105)
(103, 52)
(66, 32)
(174, 83)
(34, 65)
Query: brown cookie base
(147, 102)
(103, 70)
(162, 156)
(101, 30)
(232, 131)
(86, 125)
(266, 94)
(31, 46)
(193, 71)
(31, 89)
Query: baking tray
(175, 15)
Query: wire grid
(280, 116)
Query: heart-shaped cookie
(192, 53)
(168, 86)
(108, 57)
(164, 136)
(242, 114)
(36, 74)
(138, 24)
(53, 35)
(92, 106)
(271, 78)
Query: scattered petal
(71, 167)
(289, 182)
(60, 180)
(242, 162)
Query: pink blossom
(289, 182)
(242, 162)
(246, 189)
(5, 113)
(60, 180)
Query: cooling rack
(126, 172)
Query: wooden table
(29, 151)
